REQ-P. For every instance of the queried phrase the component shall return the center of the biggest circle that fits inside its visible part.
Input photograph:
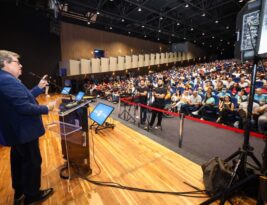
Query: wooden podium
(75, 140)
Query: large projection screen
(262, 38)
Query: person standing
(21, 126)
(142, 93)
(159, 94)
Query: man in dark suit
(21, 126)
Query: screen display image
(262, 38)
(66, 90)
(99, 53)
(79, 96)
(101, 113)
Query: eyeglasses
(16, 62)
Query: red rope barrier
(225, 127)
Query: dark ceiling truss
(160, 20)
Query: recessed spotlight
(186, 5)
(228, 43)
(158, 39)
(240, 1)
(213, 37)
(172, 34)
(110, 27)
(129, 32)
(161, 18)
(170, 42)
(159, 30)
(178, 24)
(184, 38)
(203, 14)
(97, 13)
(192, 29)
(143, 26)
(139, 9)
(227, 27)
(216, 21)
(221, 40)
(122, 20)
(195, 41)
(145, 36)
(203, 43)
(88, 22)
(203, 34)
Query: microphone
(48, 78)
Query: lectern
(73, 129)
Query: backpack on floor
(216, 175)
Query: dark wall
(27, 32)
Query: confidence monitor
(101, 113)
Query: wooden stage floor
(125, 157)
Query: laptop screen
(79, 96)
(65, 90)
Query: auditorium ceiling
(207, 23)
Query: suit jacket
(20, 114)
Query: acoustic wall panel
(128, 62)
(152, 59)
(171, 57)
(146, 62)
(74, 67)
(179, 56)
(162, 58)
(121, 64)
(85, 66)
(141, 61)
(96, 65)
(104, 64)
(167, 58)
(175, 57)
(113, 64)
(157, 61)
(135, 61)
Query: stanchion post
(181, 130)
(119, 107)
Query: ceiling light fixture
(203, 15)
(216, 21)
(139, 9)
(186, 5)
(122, 20)
(97, 13)
(178, 24)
